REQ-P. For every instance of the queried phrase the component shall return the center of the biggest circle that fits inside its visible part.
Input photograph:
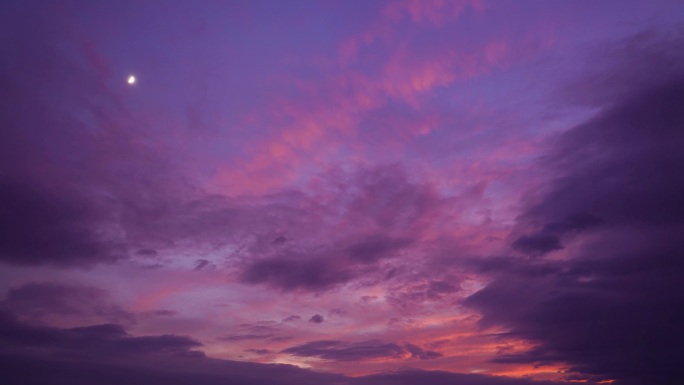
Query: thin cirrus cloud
(401, 192)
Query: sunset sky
(343, 192)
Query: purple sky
(342, 192)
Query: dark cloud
(618, 68)
(292, 274)
(625, 173)
(280, 339)
(383, 211)
(292, 318)
(267, 330)
(259, 351)
(614, 310)
(418, 352)
(537, 244)
(107, 340)
(39, 227)
(345, 351)
(574, 223)
(609, 316)
(548, 238)
(375, 247)
(147, 252)
(316, 318)
(176, 369)
(437, 288)
(200, 264)
(244, 337)
(38, 300)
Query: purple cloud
(292, 274)
(344, 351)
(258, 331)
(537, 244)
(375, 247)
(611, 311)
(39, 300)
(259, 351)
(107, 353)
(420, 353)
(245, 337)
(399, 166)
(106, 340)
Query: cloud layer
(610, 310)
(397, 192)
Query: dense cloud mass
(613, 310)
(98, 341)
(36, 227)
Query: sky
(342, 192)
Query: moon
(131, 79)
